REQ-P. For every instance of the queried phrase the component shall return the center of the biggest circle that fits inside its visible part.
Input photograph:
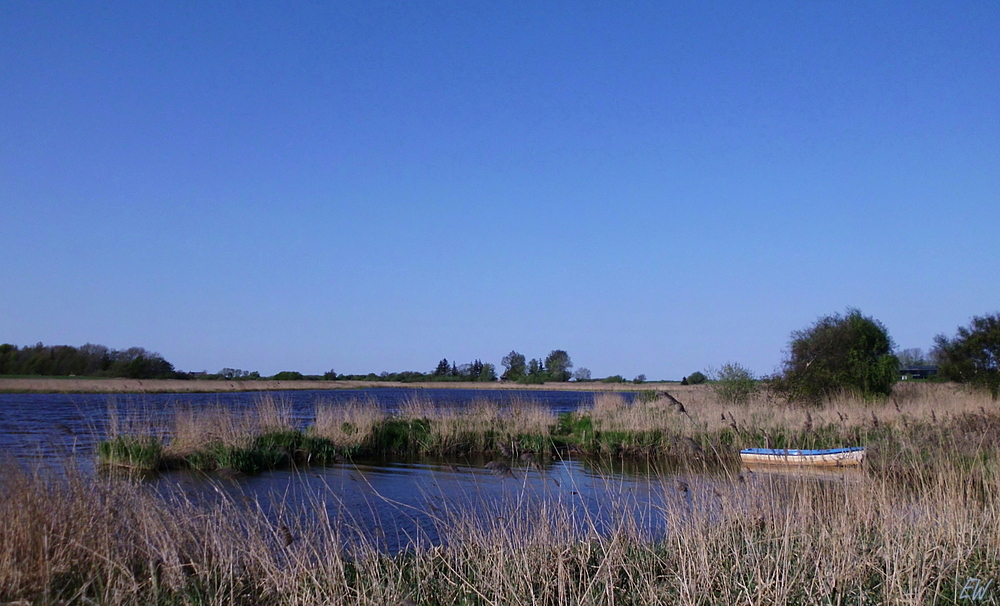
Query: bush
(734, 384)
(973, 356)
(695, 378)
(839, 353)
(288, 375)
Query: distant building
(917, 372)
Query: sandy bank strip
(73, 385)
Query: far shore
(96, 385)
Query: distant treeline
(137, 363)
(475, 371)
(554, 368)
(88, 360)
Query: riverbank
(912, 525)
(98, 385)
(918, 428)
(69, 538)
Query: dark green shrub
(734, 384)
(973, 356)
(695, 378)
(397, 435)
(839, 353)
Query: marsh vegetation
(918, 520)
(925, 422)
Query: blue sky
(654, 187)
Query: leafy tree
(235, 374)
(639, 379)
(558, 365)
(581, 374)
(734, 384)
(8, 358)
(535, 369)
(487, 372)
(973, 355)
(695, 378)
(138, 363)
(515, 366)
(294, 375)
(98, 359)
(613, 379)
(475, 369)
(88, 360)
(443, 368)
(409, 376)
(850, 352)
(152, 367)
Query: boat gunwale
(789, 452)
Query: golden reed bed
(72, 538)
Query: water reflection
(395, 504)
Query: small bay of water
(392, 503)
(398, 504)
(33, 425)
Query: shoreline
(116, 385)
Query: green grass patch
(141, 453)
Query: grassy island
(917, 427)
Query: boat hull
(835, 457)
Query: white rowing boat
(829, 457)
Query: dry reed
(193, 429)
(698, 428)
(350, 424)
(71, 538)
(67, 537)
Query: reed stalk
(931, 422)
(68, 537)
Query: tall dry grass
(350, 424)
(925, 419)
(753, 539)
(704, 412)
(480, 427)
(484, 426)
(192, 429)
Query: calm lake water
(393, 503)
(33, 425)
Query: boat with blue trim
(829, 457)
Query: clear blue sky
(654, 187)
